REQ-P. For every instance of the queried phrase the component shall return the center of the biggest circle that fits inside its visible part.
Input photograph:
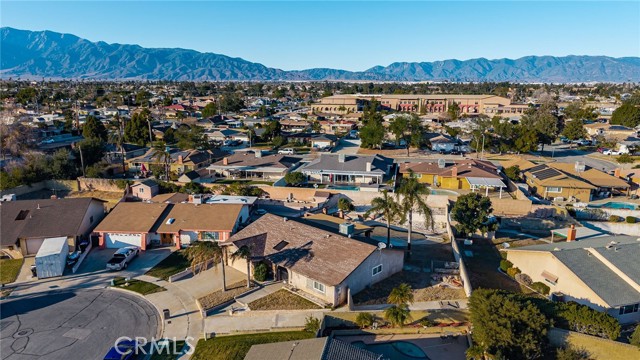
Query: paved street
(65, 325)
(563, 154)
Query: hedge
(513, 272)
(615, 218)
(505, 265)
(260, 272)
(540, 287)
(631, 220)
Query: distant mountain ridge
(37, 54)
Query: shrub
(505, 265)
(260, 272)
(583, 319)
(615, 218)
(572, 353)
(524, 279)
(513, 272)
(312, 324)
(631, 220)
(365, 319)
(634, 339)
(426, 322)
(541, 288)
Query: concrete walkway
(460, 304)
(260, 293)
(259, 321)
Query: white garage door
(188, 237)
(33, 245)
(116, 241)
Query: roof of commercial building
(41, 218)
(311, 349)
(315, 253)
(351, 164)
(133, 217)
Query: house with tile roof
(322, 264)
(601, 272)
(25, 224)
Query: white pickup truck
(122, 257)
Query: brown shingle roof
(41, 218)
(466, 168)
(201, 217)
(310, 251)
(133, 217)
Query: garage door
(33, 245)
(188, 237)
(116, 241)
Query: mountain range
(48, 54)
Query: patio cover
(487, 182)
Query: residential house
(350, 169)
(26, 223)
(325, 348)
(551, 183)
(337, 126)
(191, 176)
(601, 272)
(165, 224)
(323, 141)
(113, 153)
(254, 164)
(144, 190)
(629, 145)
(605, 184)
(221, 134)
(442, 142)
(610, 131)
(467, 174)
(294, 125)
(324, 265)
(181, 161)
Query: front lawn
(139, 286)
(171, 265)
(9, 270)
(236, 347)
(282, 300)
(219, 297)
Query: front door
(166, 239)
(283, 274)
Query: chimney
(341, 158)
(225, 161)
(616, 172)
(54, 197)
(368, 167)
(180, 159)
(571, 234)
(341, 214)
(258, 153)
(324, 210)
(454, 171)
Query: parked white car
(287, 151)
(613, 152)
(122, 257)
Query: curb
(160, 331)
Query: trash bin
(166, 314)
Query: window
(211, 235)
(376, 270)
(552, 189)
(628, 309)
(141, 190)
(319, 287)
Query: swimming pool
(396, 350)
(443, 192)
(615, 205)
(344, 187)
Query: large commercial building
(425, 104)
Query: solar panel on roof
(546, 174)
(537, 168)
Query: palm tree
(401, 295)
(162, 155)
(414, 199)
(244, 252)
(397, 315)
(386, 206)
(117, 138)
(203, 251)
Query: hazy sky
(348, 35)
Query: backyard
(236, 347)
(174, 263)
(9, 270)
(282, 300)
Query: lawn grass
(9, 270)
(236, 347)
(219, 297)
(174, 263)
(139, 286)
(282, 300)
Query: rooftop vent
(442, 163)
(170, 221)
(281, 245)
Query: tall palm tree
(397, 315)
(203, 251)
(401, 295)
(414, 199)
(386, 206)
(117, 138)
(244, 252)
(162, 155)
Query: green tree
(365, 319)
(26, 95)
(628, 114)
(203, 251)
(278, 141)
(192, 188)
(231, 103)
(209, 110)
(294, 178)
(272, 129)
(575, 130)
(372, 134)
(401, 295)
(61, 165)
(162, 155)
(453, 111)
(345, 204)
(634, 339)
(244, 252)
(412, 197)
(471, 212)
(399, 126)
(625, 159)
(191, 138)
(572, 353)
(397, 315)
(513, 173)
(505, 325)
(136, 130)
(93, 151)
(94, 129)
(386, 206)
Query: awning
(549, 277)
(487, 182)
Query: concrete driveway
(64, 325)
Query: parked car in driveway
(611, 152)
(287, 151)
(122, 257)
(124, 350)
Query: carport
(486, 183)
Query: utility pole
(81, 160)
(482, 147)
(150, 138)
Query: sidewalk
(260, 293)
(259, 321)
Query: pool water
(443, 192)
(344, 187)
(396, 350)
(615, 205)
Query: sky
(350, 35)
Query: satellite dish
(381, 245)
